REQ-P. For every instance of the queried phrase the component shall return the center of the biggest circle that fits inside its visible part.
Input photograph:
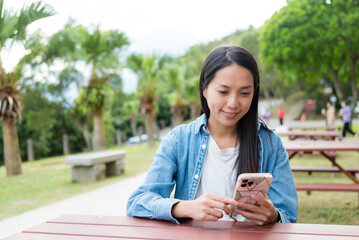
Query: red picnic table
(325, 128)
(80, 227)
(312, 135)
(294, 147)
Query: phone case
(249, 184)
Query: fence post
(118, 137)
(30, 150)
(65, 144)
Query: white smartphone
(249, 184)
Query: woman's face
(229, 96)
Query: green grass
(49, 180)
(327, 207)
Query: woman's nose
(232, 101)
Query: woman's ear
(205, 93)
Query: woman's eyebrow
(226, 86)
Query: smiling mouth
(229, 115)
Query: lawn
(49, 180)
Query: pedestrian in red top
(281, 114)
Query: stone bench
(96, 165)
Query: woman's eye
(245, 93)
(222, 92)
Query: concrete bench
(326, 187)
(96, 165)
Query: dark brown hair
(247, 129)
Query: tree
(13, 29)
(101, 51)
(177, 98)
(311, 39)
(132, 108)
(148, 69)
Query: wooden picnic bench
(310, 169)
(326, 128)
(312, 135)
(96, 165)
(334, 187)
(294, 147)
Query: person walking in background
(330, 114)
(346, 118)
(281, 114)
(267, 116)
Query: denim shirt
(178, 165)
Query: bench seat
(330, 187)
(309, 169)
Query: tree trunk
(195, 110)
(178, 117)
(99, 138)
(86, 134)
(133, 124)
(149, 127)
(11, 147)
(353, 83)
(336, 82)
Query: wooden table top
(79, 227)
(310, 133)
(321, 145)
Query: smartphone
(249, 184)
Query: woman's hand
(263, 214)
(204, 208)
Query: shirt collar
(201, 122)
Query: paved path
(109, 200)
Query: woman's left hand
(263, 214)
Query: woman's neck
(225, 137)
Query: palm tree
(13, 29)
(101, 51)
(148, 69)
(176, 98)
(131, 108)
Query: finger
(262, 200)
(220, 205)
(254, 217)
(223, 199)
(214, 212)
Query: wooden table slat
(220, 225)
(103, 231)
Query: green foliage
(42, 178)
(311, 39)
(13, 25)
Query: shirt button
(196, 176)
(204, 146)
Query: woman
(202, 160)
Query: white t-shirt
(219, 173)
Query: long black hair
(247, 126)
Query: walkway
(109, 200)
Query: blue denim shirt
(178, 164)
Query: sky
(156, 26)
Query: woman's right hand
(204, 208)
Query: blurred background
(87, 75)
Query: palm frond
(30, 14)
